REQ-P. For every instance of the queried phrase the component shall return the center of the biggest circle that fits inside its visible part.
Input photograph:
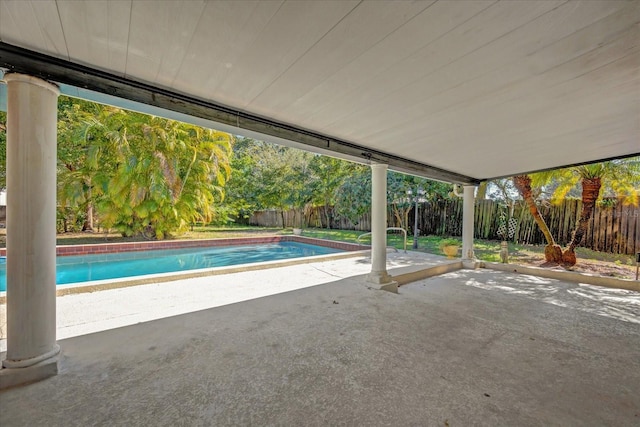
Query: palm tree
(553, 251)
(139, 170)
(77, 157)
(618, 177)
(171, 176)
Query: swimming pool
(85, 268)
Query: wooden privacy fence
(614, 229)
(314, 217)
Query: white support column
(379, 275)
(32, 351)
(468, 208)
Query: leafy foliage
(328, 175)
(267, 176)
(620, 178)
(139, 170)
(353, 197)
(403, 190)
(129, 171)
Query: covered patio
(450, 90)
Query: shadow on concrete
(618, 304)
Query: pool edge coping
(102, 248)
(351, 250)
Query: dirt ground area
(605, 268)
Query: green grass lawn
(486, 250)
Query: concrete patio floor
(88, 312)
(471, 347)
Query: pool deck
(470, 347)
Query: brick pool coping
(104, 248)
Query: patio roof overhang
(86, 83)
(456, 91)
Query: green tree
(328, 174)
(274, 175)
(75, 201)
(353, 198)
(402, 190)
(354, 195)
(169, 176)
(140, 170)
(269, 176)
(300, 184)
(400, 193)
(243, 186)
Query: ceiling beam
(20, 60)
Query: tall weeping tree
(553, 251)
(617, 177)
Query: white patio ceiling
(479, 88)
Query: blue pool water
(84, 268)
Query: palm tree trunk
(590, 193)
(405, 218)
(186, 175)
(326, 214)
(88, 222)
(552, 252)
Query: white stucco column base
(382, 281)
(13, 376)
(32, 351)
(379, 276)
(471, 264)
